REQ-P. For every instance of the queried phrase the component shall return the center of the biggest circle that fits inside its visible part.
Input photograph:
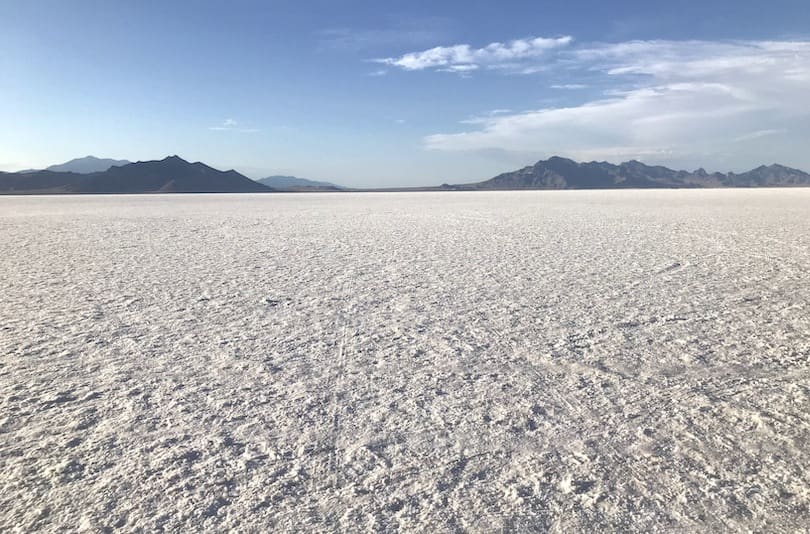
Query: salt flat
(520, 362)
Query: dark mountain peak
(768, 176)
(556, 165)
(198, 166)
(775, 167)
(176, 164)
(778, 167)
(634, 163)
(765, 168)
(557, 161)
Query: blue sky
(404, 93)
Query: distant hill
(292, 183)
(169, 175)
(562, 173)
(87, 165)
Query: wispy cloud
(230, 125)
(465, 58)
(671, 100)
(569, 86)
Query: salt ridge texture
(552, 361)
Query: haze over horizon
(366, 95)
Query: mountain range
(562, 173)
(176, 175)
(169, 175)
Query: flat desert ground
(452, 362)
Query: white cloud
(464, 58)
(569, 86)
(230, 125)
(672, 102)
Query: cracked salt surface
(562, 361)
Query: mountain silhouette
(562, 173)
(176, 175)
(169, 175)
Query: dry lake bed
(452, 362)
